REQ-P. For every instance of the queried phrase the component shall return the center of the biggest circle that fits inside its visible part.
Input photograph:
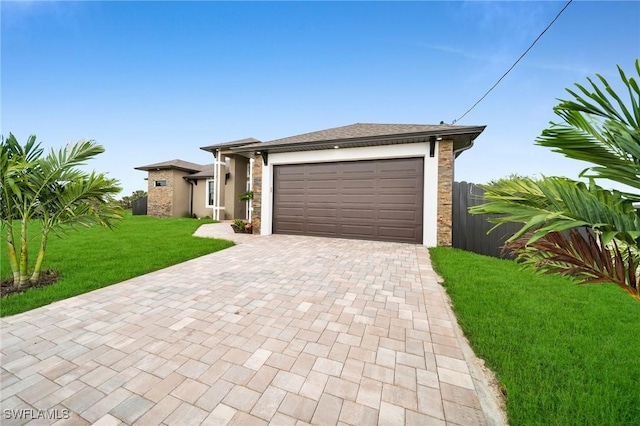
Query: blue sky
(154, 81)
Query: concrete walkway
(279, 329)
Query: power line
(515, 63)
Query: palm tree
(53, 191)
(16, 163)
(597, 127)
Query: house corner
(445, 193)
(256, 203)
(160, 190)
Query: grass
(93, 258)
(566, 354)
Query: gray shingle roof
(206, 172)
(358, 130)
(173, 164)
(367, 131)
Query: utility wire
(515, 63)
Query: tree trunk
(24, 254)
(38, 266)
(11, 252)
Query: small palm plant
(240, 226)
(246, 196)
(600, 128)
(52, 190)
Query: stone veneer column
(160, 201)
(445, 189)
(256, 203)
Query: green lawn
(566, 354)
(89, 259)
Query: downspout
(216, 184)
(190, 198)
(215, 180)
(457, 152)
(250, 202)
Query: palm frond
(586, 258)
(555, 204)
(602, 129)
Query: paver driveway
(280, 329)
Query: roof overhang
(462, 138)
(164, 167)
(198, 177)
(229, 146)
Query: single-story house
(178, 188)
(387, 182)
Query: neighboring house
(387, 182)
(179, 188)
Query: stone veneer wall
(160, 199)
(256, 203)
(445, 189)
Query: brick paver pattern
(278, 329)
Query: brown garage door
(373, 200)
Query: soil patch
(47, 277)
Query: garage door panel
(328, 194)
(399, 215)
(319, 198)
(357, 167)
(359, 199)
(395, 232)
(372, 199)
(329, 184)
(320, 168)
(291, 173)
(360, 230)
(292, 184)
(396, 165)
(396, 199)
(291, 211)
(315, 212)
(290, 227)
(399, 183)
(357, 196)
(358, 184)
(328, 229)
(357, 214)
(292, 198)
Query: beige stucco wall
(181, 194)
(234, 186)
(200, 199)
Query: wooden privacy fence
(139, 206)
(470, 231)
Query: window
(161, 183)
(211, 193)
